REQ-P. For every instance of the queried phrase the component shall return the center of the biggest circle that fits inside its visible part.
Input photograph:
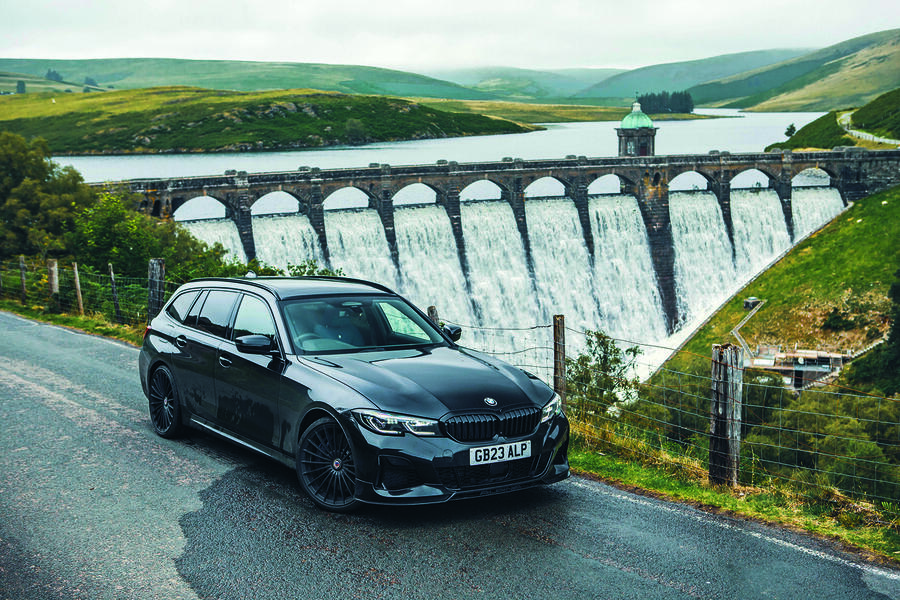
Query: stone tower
(637, 135)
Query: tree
(355, 131)
(90, 81)
(20, 87)
(38, 199)
(791, 130)
(601, 376)
(53, 75)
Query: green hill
(848, 266)
(881, 116)
(34, 83)
(130, 73)
(181, 119)
(847, 74)
(682, 75)
(526, 84)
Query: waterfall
(221, 231)
(624, 280)
(429, 262)
(704, 268)
(813, 207)
(499, 279)
(760, 233)
(285, 239)
(357, 245)
(562, 267)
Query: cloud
(415, 34)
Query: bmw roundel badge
(490, 402)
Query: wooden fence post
(156, 287)
(53, 284)
(115, 295)
(725, 415)
(22, 276)
(559, 357)
(78, 289)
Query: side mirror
(254, 344)
(454, 332)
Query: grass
(851, 524)
(182, 119)
(880, 116)
(823, 133)
(526, 112)
(94, 324)
(848, 265)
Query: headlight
(551, 409)
(391, 424)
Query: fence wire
(825, 442)
(125, 302)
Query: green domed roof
(636, 118)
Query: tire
(326, 466)
(165, 408)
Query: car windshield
(326, 325)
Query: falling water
(624, 279)
(499, 278)
(813, 207)
(284, 240)
(429, 261)
(760, 233)
(357, 245)
(221, 231)
(562, 266)
(704, 269)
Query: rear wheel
(165, 409)
(326, 466)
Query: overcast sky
(427, 34)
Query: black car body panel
(266, 398)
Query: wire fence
(79, 290)
(827, 443)
(824, 443)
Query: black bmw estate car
(359, 391)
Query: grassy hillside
(527, 84)
(846, 74)
(880, 116)
(130, 73)
(180, 119)
(848, 266)
(682, 75)
(824, 133)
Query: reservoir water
(504, 294)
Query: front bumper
(421, 470)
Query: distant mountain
(679, 76)
(526, 84)
(847, 74)
(130, 73)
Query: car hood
(432, 382)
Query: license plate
(499, 453)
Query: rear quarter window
(178, 309)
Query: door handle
(181, 341)
(224, 362)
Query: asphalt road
(94, 505)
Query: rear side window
(179, 307)
(216, 312)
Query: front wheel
(165, 410)
(326, 466)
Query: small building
(751, 302)
(637, 135)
